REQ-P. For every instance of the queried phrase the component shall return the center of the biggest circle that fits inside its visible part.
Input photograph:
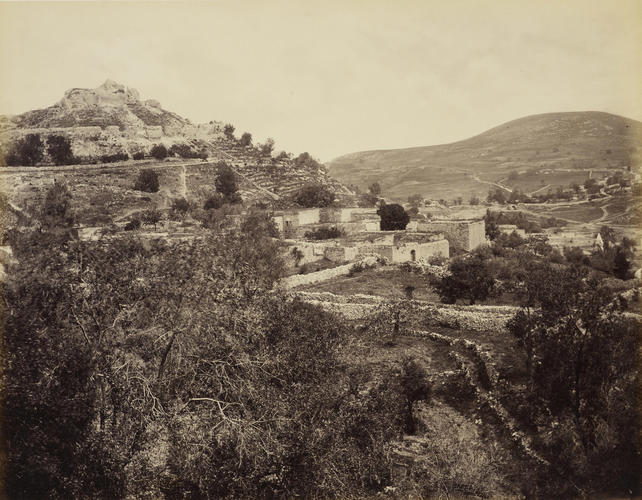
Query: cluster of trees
(30, 150)
(167, 370)
(314, 195)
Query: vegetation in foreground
(154, 369)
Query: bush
(114, 157)
(139, 155)
(159, 151)
(245, 140)
(181, 205)
(132, 225)
(325, 233)
(147, 181)
(471, 277)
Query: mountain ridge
(566, 140)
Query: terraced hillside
(549, 149)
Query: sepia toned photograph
(320, 249)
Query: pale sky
(334, 77)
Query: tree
(374, 189)
(159, 151)
(580, 358)
(474, 200)
(228, 130)
(621, 264)
(147, 181)
(415, 387)
(226, 183)
(267, 147)
(59, 148)
(393, 217)
(314, 195)
(246, 139)
(591, 186)
(181, 206)
(496, 195)
(55, 210)
(470, 277)
(28, 150)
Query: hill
(112, 122)
(532, 153)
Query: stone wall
(464, 234)
(405, 252)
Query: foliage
(226, 183)
(114, 157)
(151, 217)
(28, 150)
(181, 207)
(159, 151)
(260, 223)
(186, 151)
(214, 201)
(415, 200)
(582, 366)
(496, 195)
(414, 387)
(267, 147)
(56, 206)
(325, 233)
(245, 140)
(314, 195)
(147, 181)
(393, 217)
(374, 189)
(228, 130)
(167, 370)
(132, 225)
(59, 148)
(305, 160)
(471, 277)
(138, 155)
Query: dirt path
(476, 178)
(183, 176)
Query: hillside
(113, 120)
(535, 151)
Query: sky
(332, 77)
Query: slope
(557, 148)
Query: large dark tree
(27, 151)
(393, 217)
(147, 181)
(226, 183)
(59, 148)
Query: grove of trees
(314, 195)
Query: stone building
(461, 234)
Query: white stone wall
(308, 216)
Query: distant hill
(536, 152)
(112, 119)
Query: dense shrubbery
(314, 196)
(186, 151)
(159, 151)
(29, 150)
(147, 181)
(167, 370)
(59, 149)
(114, 157)
(325, 233)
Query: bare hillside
(556, 148)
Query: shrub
(139, 155)
(114, 157)
(147, 181)
(132, 225)
(226, 182)
(151, 217)
(181, 205)
(325, 233)
(159, 151)
(471, 277)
